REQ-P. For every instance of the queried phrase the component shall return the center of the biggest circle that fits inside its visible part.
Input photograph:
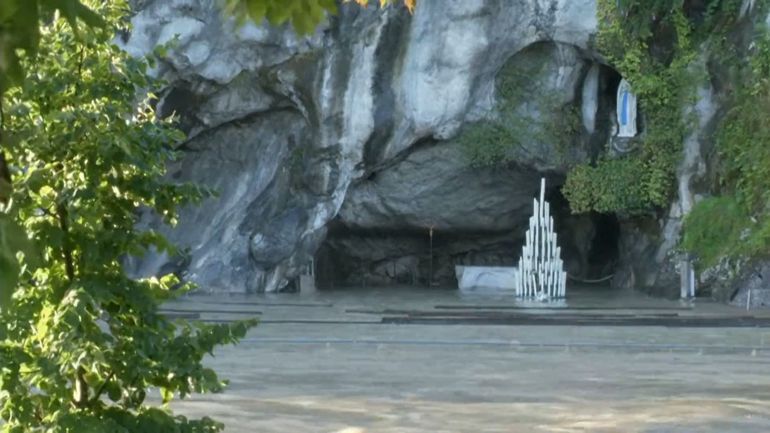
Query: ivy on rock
(654, 45)
(735, 222)
(658, 72)
(502, 138)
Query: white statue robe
(626, 110)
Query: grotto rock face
(648, 246)
(351, 131)
(435, 186)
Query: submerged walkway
(423, 360)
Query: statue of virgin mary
(626, 110)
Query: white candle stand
(541, 272)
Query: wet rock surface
(289, 130)
(343, 146)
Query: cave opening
(610, 78)
(589, 241)
(411, 223)
(603, 254)
(409, 256)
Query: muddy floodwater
(430, 360)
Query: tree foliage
(81, 344)
(19, 30)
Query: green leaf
(114, 392)
(279, 13)
(302, 22)
(166, 394)
(89, 17)
(257, 10)
(8, 9)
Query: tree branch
(80, 397)
(102, 387)
(5, 173)
(69, 264)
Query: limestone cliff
(347, 145)
(354, 122)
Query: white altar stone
(485, 277)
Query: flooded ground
(420, 360)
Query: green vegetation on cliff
(495, 141)
(736, 222)
(655, 45)
(658, 72)
(81, 343)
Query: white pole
(525, 283)
(527, 287)
(536, 234)
(532, 278)
(543, 257)
(542, 189)
(563, 284)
